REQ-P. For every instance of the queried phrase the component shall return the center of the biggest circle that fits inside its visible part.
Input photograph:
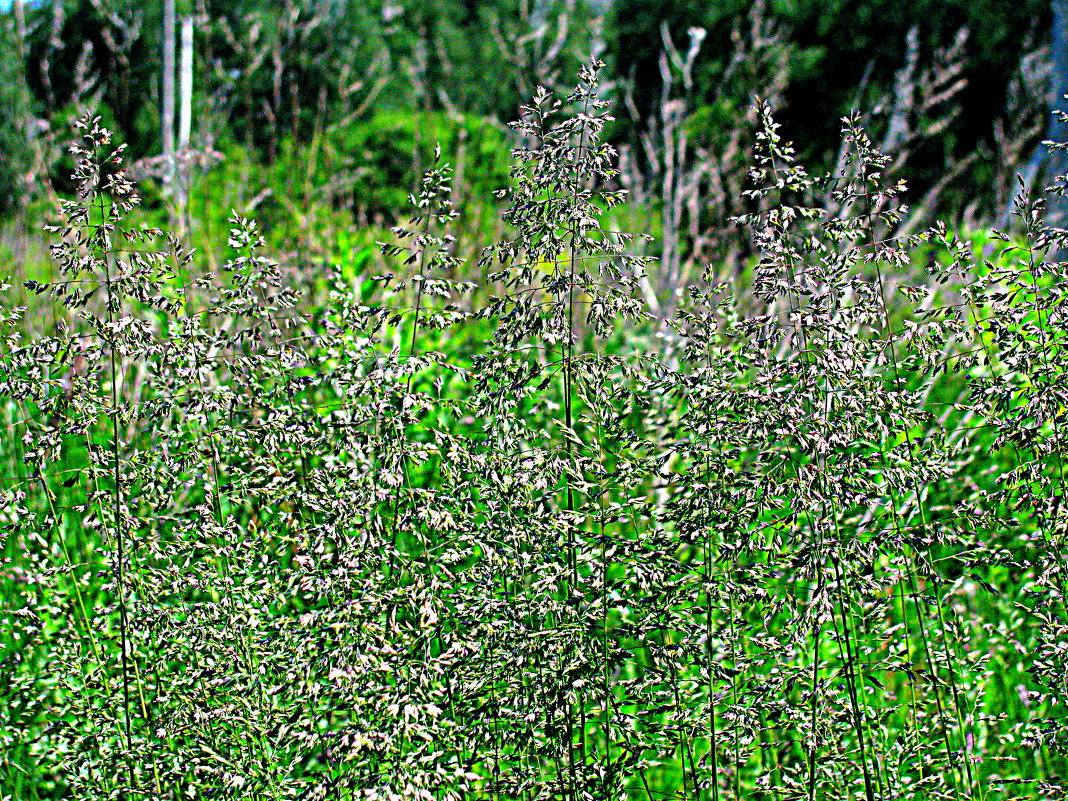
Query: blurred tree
(167, 87)
(488, 56)
(16, 154)
(282, 69)
(855, 37)
(270, 70)
(92, 55)
(1049, 165)
(276, 70)
(846, 54)
(276, 58)
(1057, 166)
(634, 42)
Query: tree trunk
(185, 88)
(1047, 165)
(167, 90)
(1057, 160)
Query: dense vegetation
(520, 484)
(953, 91)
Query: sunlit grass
(422, 538)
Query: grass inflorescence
(397, 544)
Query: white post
(185, 88)
(185, 118)
(167, 90)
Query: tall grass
(391, 547)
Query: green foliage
(370, 166)
(268, 71)
(484, 56)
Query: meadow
(486, 527)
